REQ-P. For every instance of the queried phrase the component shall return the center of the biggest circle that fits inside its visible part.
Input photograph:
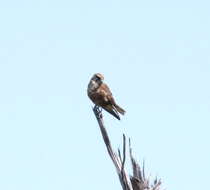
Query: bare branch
(138, 180)
(123, 176)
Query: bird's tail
(112, 111)
(119, 109)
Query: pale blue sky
(154, 56)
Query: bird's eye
(97, 78)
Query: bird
(101, 96)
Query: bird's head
(95, 82)
(98, 78)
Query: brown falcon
(101, 95)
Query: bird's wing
(107, 101)
(104, 89)
(110, 99)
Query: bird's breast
(92, 86)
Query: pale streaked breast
(92, 86)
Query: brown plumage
(101, 95)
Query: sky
(155, 58)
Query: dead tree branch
(124, 178)
(137, 181)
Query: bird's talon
(97, 109)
